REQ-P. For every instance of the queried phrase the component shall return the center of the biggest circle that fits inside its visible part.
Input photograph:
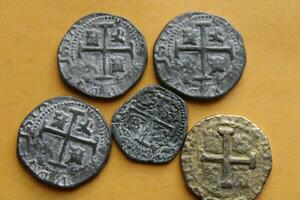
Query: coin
(102, 55)
(199, 55)
(151, 126)
(226, 157)
(64, 142)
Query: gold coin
(226, 157)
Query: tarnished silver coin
(199, 55)
(64, 142)
(151, 126)
(226, 157)
(102, 55)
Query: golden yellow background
(268, 93)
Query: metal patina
(64, 142)
(151, 126)
(199, 55)
(102, 55)
(226, 157)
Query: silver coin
(199, 55)
(64, 142)
(151, 126)
(226, 157)
(102, 55)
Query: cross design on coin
(106, 50)
(67, 136)
(228, 160)
(203, 50)
(149, 119)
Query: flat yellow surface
(268, 93)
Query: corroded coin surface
(102, 55)
(226, 157)
(151, 126)
(64, 142)
(199, 55)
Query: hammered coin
(102, 55)
(151, 126)
(226, 157)
(199, 55)
(64, 142)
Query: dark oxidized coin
(226, 157)
(102, 55)
(199, 55)
(64, 142)
(151, 126)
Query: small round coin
(199, 55)
(64, 142)
(151, 126)
(226, 157)
(102, 55)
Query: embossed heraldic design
(226, 157)
(199, 56)
(102, 55)
(64, 142)
(151, 126)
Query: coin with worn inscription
(226, 157)
(151, 126)
(199, 55)
(64, 142)
(102, 55)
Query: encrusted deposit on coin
(226, 157)
(102, 55)
(151, 126)
(64, 142)
(199, 55)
